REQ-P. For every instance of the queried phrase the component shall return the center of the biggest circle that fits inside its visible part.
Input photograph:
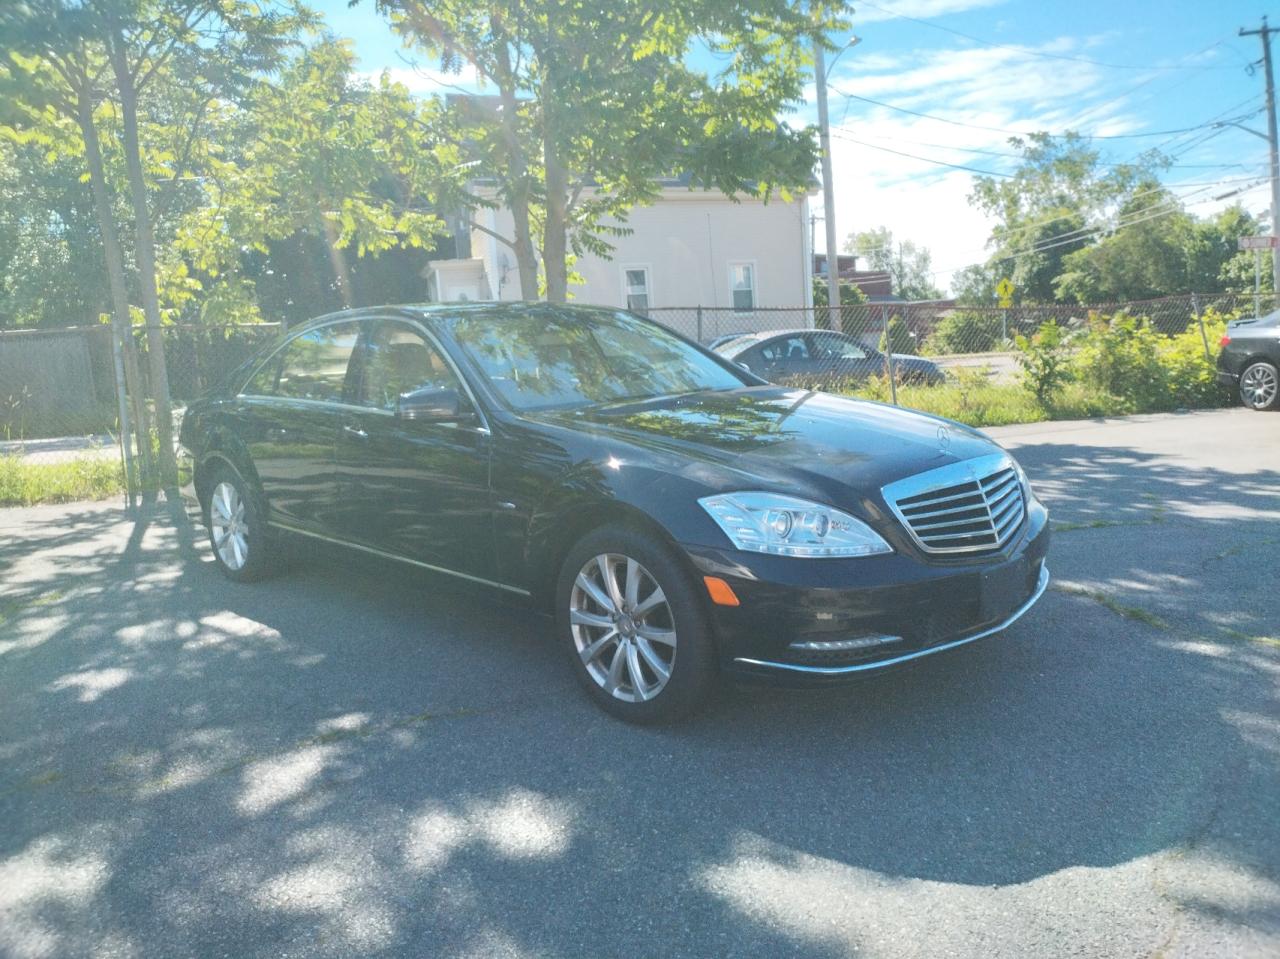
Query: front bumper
(806, 622)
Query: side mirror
(432, 405)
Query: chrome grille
(972, 506)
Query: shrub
(1119, 355)
(899, 338)
(965, 331)
(1044, 359)
(1190, 374)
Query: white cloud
(428, 81)
(920, 9)
(990, 93)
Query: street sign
(1258, 242)
(1004, 290)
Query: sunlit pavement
(349, 762)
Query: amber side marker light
(721, 593)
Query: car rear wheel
(634, 628)
(1260, 386)
(242, 546)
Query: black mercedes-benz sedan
(678, 516)
(1249, 361)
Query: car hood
(785, 438)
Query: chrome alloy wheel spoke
(227, 519)
(626, 643)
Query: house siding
(687, 240)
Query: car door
(290, 413)
(415, 488)
(782, 357)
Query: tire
(607, 648)
(242, 545)
(1260, 386)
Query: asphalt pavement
(352, 760)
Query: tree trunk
(121, 321)
(146, 261)
(521, 188)
(337, 260)
(555, 225)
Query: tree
(322, 154)
(77, 54)
(910, 266)
(1158, 250)
(975, 285)
(1050, 206)
(596, 102)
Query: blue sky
(1111, 69)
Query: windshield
(541, 359)
(734, 346)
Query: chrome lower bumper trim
(1041, 585)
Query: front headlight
(788, 526)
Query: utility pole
(1264, 33)
(828, 194)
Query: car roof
(763, 336)
(427, 310)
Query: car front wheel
(238, 533)
(1260, 386)
(633, 626)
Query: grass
(977, 401)
(24, 483)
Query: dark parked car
(1249, 361)
(679, 516)
(817, 356)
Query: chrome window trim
(1041, 585)
(974, 470)
(398, 558)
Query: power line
(912, 156)
(1019, 156)
(1203, 185)
(1098, 231)
(1017, 133)
(1041, 54)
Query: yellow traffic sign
(1004, 290)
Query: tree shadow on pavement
(351, 759)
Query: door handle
(356, 432)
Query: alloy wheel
(227, 519)
(1258, 386)
(622, 627)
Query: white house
(690, 248)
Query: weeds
(23, 483)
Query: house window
(635, 281)
(742, 286)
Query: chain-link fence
(63, 391)
(918, 342)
